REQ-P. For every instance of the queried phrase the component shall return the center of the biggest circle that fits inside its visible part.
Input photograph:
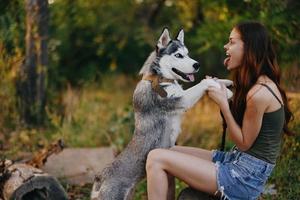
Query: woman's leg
(196, 172)
(198, 152)
(171, 187)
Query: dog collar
(155, 83)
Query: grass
(102, 115)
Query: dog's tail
(145, 70)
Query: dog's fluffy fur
(157, 117)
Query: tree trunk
(31, 83)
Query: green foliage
(11, 56)
(110, 121)
(12, 25)
(9, 63)
(93, 37)
(88, 38)
(118, 35)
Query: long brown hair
(259, 59)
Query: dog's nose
(196, 66)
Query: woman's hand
(219, 95)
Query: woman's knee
(154, 159)
(174, 148)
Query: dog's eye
(178, 55)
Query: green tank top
(268, 142)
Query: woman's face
(234, 50)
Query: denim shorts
(240, 175)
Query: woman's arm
(243, 136)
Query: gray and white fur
(157, 118)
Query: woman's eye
(178, 55)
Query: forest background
(92, 52)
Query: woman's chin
(228, 67)
(231, 67)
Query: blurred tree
(11, 56)
(31, 84)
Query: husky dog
(159, 102)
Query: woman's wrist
(225, 107)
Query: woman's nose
(225, 47)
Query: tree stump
(192, 194)
(24, 182)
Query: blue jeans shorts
(240, 175)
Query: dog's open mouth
(189, 77)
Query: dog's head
(171, 59)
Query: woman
(255, 122)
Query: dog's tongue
(191, 77)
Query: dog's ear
(147, 65)
(180, 36)
(164, 39)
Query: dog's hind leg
(95, 190)
(130, 193)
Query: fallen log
(24, 181)
(28, 183)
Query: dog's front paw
(229, 93)
(214, 82)
(209, 82)
(226, 82)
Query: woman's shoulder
(263, 93)
(257, 95)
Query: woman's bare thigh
(194, 171)
(198, 152)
